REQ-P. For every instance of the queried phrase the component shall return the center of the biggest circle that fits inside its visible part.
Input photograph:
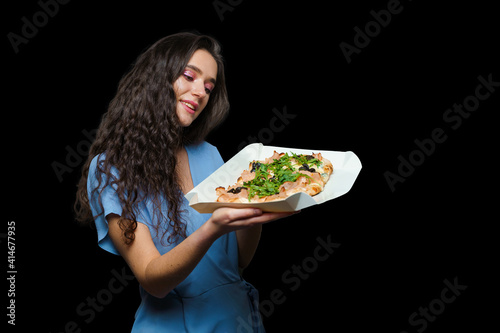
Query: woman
(149, 151)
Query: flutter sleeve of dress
(103, 201)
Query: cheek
(178, 87)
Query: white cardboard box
(346, 167)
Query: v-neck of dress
(189, 160)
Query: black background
(397, 247)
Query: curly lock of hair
(140, 135)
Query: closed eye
(208, 90)
(188, 75)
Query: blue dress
(214, 297)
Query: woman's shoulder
(205, 149)
(97, 167)
(99, 158)
(206, 155)
(202, 146)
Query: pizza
(278, 177)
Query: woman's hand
(225, 219)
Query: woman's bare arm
(159, 274)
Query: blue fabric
(214, 297)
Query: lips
(190, 106)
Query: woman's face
(194, 86)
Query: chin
(185, 121)
(185, 124)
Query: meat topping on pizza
(278, 177)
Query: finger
(276, 216)
(264, 218)
(236, 214)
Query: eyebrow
(196, 69)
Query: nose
(198, 89)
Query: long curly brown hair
(140, 134)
